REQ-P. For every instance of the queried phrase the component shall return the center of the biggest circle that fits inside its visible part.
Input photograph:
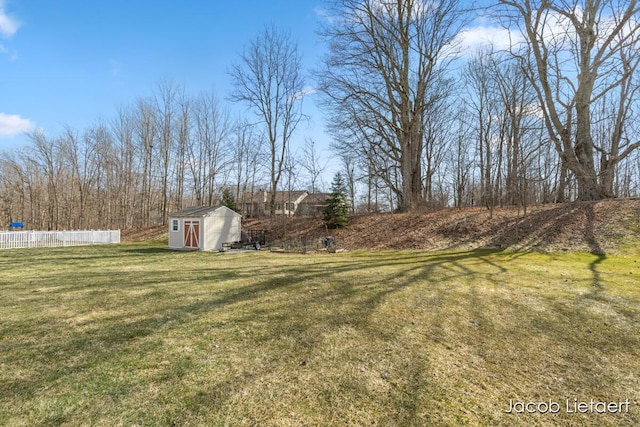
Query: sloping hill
(141, 234)
(590, 226)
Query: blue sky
(72, 62)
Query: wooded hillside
(598, 227)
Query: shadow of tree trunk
(595, 247)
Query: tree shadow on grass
(599, 284)
(279, 298)
(596, 249)
(260, 308)
(303, 317)
(539, 230)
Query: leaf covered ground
(583, 226)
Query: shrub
(336, 212)
(228, 200)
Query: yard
(136, 335)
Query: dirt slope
(591, 226)
(137, 235)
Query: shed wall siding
(222, 226)
(176, 239)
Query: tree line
(548, 117)
(415, 123)
(157, 155)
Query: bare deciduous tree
(145, 139)
(385, 60)
(126, 179)
(183, 139)
(312, 164)
(166, 121)
(269, 80)
(207, 150)
(46, 156)
(248, 158)
(576, 54)
(484, 103)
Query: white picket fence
(54, 239)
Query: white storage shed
(204, 228)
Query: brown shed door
(191, 234)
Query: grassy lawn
(136, 335)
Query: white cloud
(307, 90)
(474, 38)
(13, 124)
(8, 24)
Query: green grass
(136, 335)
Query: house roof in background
(288, 196)
(198, 211)
(316, 198)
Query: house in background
(287, 203)
(313, 205)
(204, 228)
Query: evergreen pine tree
(228, 200)
(336, 212)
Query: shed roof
(198, 211)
